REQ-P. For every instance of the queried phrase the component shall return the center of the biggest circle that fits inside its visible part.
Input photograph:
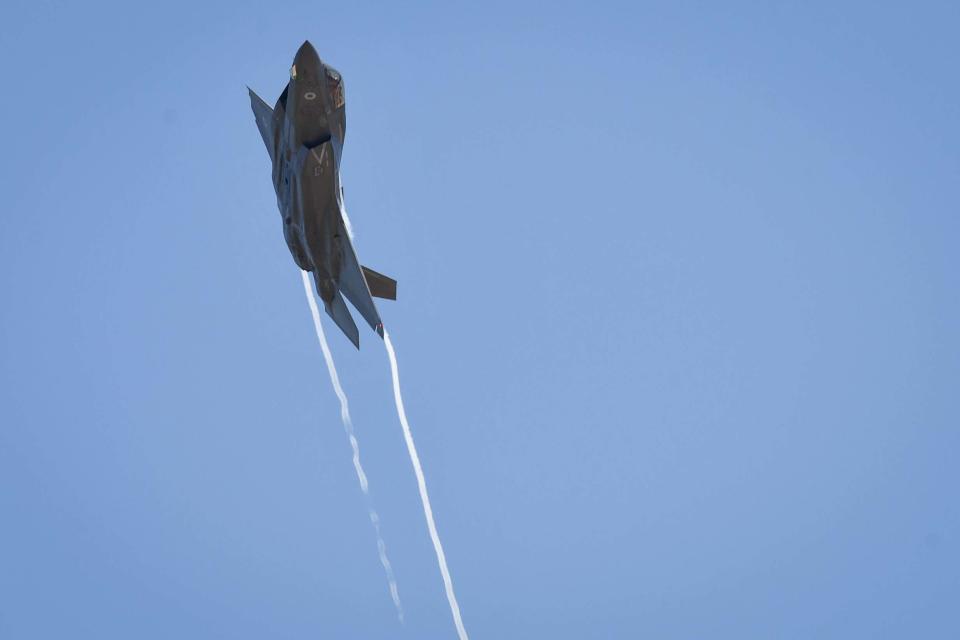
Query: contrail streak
(348, 427)
(422, 485)
(346, 218)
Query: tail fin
(341, 315)
(380, 285)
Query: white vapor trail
(346, 218)
(348, 427)
(422, 485)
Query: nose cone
(307, 52)
(307, 62)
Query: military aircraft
(304, 136)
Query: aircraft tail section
(380, 285)
(337, 309)
(354, 285)
(357, 284)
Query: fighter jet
(304, 136)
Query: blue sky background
(677, 328)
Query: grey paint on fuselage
(304, 136)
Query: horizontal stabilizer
(353, 284)
(380, 285)
(341, 315)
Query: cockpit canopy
(335, 86)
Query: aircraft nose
(307, 62)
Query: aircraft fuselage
(304, 135)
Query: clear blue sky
(677, 328)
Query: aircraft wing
(264, 116)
